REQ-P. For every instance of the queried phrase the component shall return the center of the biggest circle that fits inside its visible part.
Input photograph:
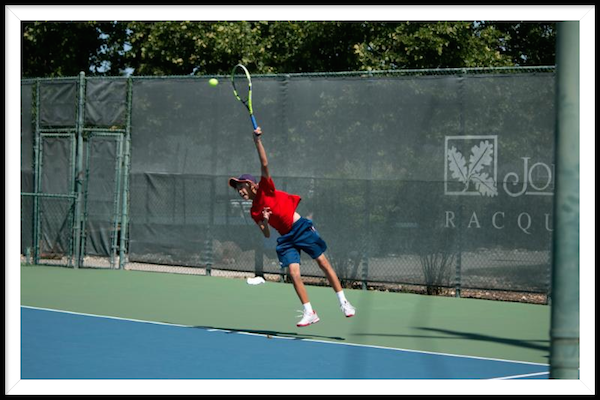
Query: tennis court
(444, 179)
(120, 324)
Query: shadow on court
(450, 334)
(292, 335)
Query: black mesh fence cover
(433, 179)
(58, 100)
(101, 174)
(408, 179)
(27, 165)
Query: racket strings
(241, 86)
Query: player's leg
(329, 272)
(309, 316)
(311, 242)
(289, 256)
(332, 277)
(294, 272)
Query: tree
(203, 48)
(411, 45)
(178, 48)
(65, 48)
(527, 43)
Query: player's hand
(266, 213)
(257, 132)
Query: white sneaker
(308, 319)
(348, 309)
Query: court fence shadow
(452, 335)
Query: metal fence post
(564, 329)
(458, 272)
(366, 250)
(125, 171)
(208, 254)
(78, 189)
(36, 176)
(461, 121)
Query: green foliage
(182, 48)
(65, 48)
(430, 45)
(528, 44)
(202, 48)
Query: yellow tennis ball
(213, 82)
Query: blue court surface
(63, 345)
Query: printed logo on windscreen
(471, 166)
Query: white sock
(341, 296)
(308, 308)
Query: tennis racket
(242, 89)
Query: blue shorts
(303, 236)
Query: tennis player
(278, 209)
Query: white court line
(520, 376)
(282, 337)
(109, 317)
(430, 352)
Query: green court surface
(471, 327)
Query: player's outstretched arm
(262, 155)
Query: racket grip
(253, 122)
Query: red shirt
(282, 204)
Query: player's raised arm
(262, 155)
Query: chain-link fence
(433, 178)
